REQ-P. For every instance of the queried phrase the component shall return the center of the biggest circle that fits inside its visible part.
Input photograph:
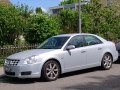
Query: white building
(74, 6)
(55, 10)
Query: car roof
(74, 34)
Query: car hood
(29, 53)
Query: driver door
(75, 58)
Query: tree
(69, 21)
(68, 2)
(96, 19)
(100, 20)
(41, 27)
(10, 24)
(20, 21)
(39, 10)
(24, 11)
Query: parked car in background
(61, 54)
(118, 48)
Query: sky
(44, 4)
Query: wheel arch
(56, 60)
(109, 53)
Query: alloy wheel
(52, 70)
(107, 61)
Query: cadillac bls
(61, 54)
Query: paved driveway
(90, 79)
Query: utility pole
(79, 11)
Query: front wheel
(107, 61)
(50, 70)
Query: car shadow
(79, 72)
(5, 79)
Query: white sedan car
(61, 54)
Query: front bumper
(23, 71)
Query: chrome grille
(12, 62)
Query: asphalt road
(90, 79)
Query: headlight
(31, 60)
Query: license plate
(7, 69)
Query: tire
(50, 70)
(107, 61)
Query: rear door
(94, 48)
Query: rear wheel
(50, 70)
(107, 61)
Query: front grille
(10, 73)
(12, 62)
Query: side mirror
(70, 47)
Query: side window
(77, 41)
(91, 40)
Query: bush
(41, 27)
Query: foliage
(24, 10)
(1, 62)
(16, 21)
(69, 21)
(39, 10)
(100, 20)
(20, 21)
(68, 2)
(11, 24)
(42, 26)
(96, 19)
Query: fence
(10, 49)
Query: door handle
(83, 51)
(99, 48)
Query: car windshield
(54, 43)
